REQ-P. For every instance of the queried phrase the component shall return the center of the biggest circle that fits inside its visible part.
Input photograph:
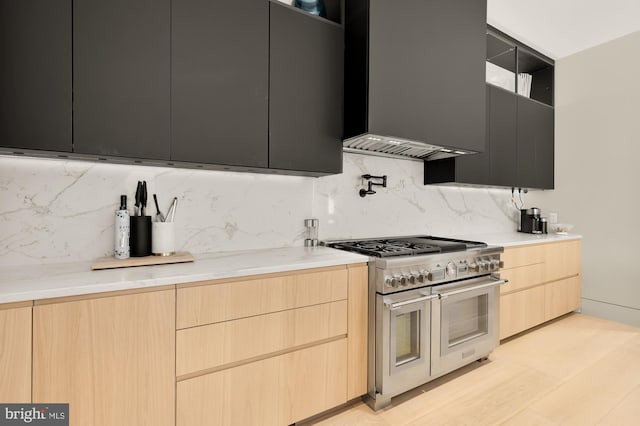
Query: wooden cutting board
(112, 262)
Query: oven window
(468, 319)
(407, 337)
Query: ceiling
(560, 28)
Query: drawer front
(522, 277)
(561, 297)
(521, 310)
(215, 345)
(15, 354)
(562, 260)
(514, 257)
(224, 301)
(275, 391)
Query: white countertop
(509, 239)
(70, 279)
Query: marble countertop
(71, 279)
(509, 239)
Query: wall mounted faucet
(370, 184)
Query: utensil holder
(140, 237)
(163, 241)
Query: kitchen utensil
(140, 238)
(143, 198)
(163, 238)
(138, 195)
(171, 213)
(159, 215)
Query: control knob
(495, 264)
(452, 269)
(393, 281)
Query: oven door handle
(495, 282)
(398, 305)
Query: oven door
(465, 322)
(403, 323)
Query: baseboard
(611, 312)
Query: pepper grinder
(312, 232)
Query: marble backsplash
(406, 206)
(54, 211)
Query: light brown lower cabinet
(275, 391)
(521, 310)
(111, 358)
(297, 349)
(561, 297)
(15, 353)
(544, 283)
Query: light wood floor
(577, 370)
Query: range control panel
(407, 275)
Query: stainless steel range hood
(391, 147)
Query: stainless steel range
(433, 307)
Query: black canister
(543, 225)
(140, 236)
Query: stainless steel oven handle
(477, 287)
(398, 305)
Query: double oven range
(433, 307)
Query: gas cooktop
(404, 246)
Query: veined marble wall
(55, 211)
(406, 206)
(63, 211)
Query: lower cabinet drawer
(561, 297)
(214, 345)
(522, 277)
(521, 310)
(275, 391)
(224, 301)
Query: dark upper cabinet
(35, 74)
(416, 70)
(463, 169)
(535, 156)
(519, 150)
(305, 97)
(503, 134)
(520, 124)
(219, 89)
(121, 77)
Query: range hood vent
(397, 148)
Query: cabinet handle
(398, 305)
(493, 283)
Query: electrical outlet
(553, 218)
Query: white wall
(597, 146)
(62, 211)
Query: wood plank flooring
(576, 370)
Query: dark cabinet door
(219, 83)
(305, 98)
(535, 156)
(427, 71)
(476, 168)
(121, 77)
(502, 123)
(35, 74)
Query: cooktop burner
(404, 246)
